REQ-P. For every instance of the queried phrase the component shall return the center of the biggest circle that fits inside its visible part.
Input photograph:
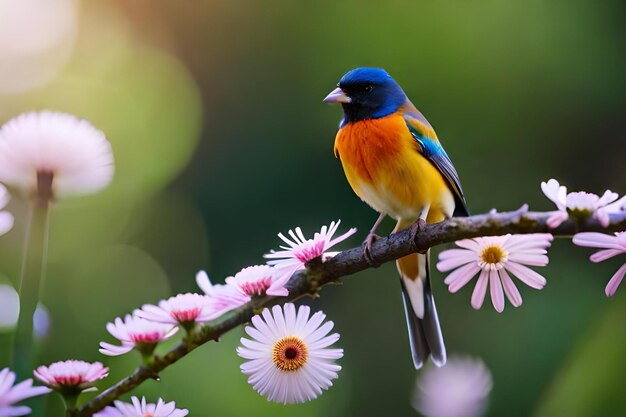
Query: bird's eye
(368, 88)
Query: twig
(348, 262)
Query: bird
(394, 162)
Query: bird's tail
(419, 307)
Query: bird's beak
(337, 96)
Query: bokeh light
(36, 39)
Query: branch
(318, 274)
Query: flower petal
(555, 192)
(528, 259)
(511, 291)
(458, 278)
(526, 275)
(603, 255)
(611, 287)
(596, 240)
(453, 258)
(497, 295)
(556, 218)
(480, 290)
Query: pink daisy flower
(459, 389)
(136, 333)
(611, 246)
(11, 394)
(71, 374)
(73, 156)
(288, 358)
(494, 257)
(184, 309)
(142, 409)
(223, 297)
(300, 250)
(258, 280)
(580, 205)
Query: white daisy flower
(51, 154)
(288, 358)
(142, 409)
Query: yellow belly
(385, 169)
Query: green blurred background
(221, 140)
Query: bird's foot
(416, 228)
(367, 249)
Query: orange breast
(385, 169)
(369, 145)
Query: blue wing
(430, 147)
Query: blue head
(367, 93)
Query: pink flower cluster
(153, 323)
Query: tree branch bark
(348, 262)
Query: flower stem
(32, 276)
(70, 405)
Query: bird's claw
(416, 227)
(367, 250)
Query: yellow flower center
(290, 353)
(493, 254)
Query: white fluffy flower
(289, 359)
(39, 145)
(459, 389)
